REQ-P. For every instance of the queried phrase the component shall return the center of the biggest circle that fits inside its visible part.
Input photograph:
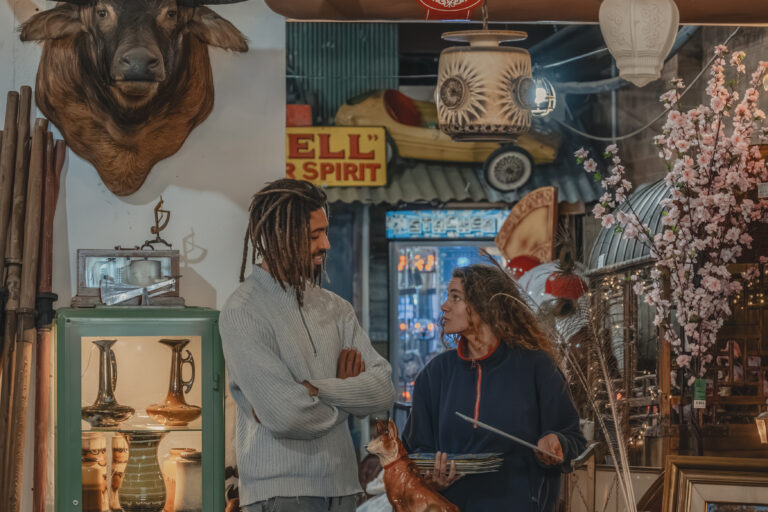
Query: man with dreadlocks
(298, 362)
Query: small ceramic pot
(189, 483)
(169, 475)
(119, 461)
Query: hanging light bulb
(545, 99)
(639, 34)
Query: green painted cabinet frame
(73, 324)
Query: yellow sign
(337, 156)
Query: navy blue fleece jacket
(519, 391)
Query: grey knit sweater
(301, 445)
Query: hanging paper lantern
(519, 265)
(448, 9)
(639, 35)
(485, 91)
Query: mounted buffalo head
(127, 80)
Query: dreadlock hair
(279, 232)
(493, 295)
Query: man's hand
(312, 389)
(351, 364)
(549, 443)
(441, 477)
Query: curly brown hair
(494, 296)
(278, 230)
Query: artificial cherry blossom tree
(713, 175)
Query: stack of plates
(466, 463)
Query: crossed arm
(359, 393)
(283, 405)
(304, 410)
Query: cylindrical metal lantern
(484, 91)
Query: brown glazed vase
(105, 411)
(175, 411)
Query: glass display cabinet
(139, 410)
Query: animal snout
(139, 64)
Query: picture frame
(715, 484)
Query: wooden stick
(45, 300)
(45, 262)
(3, 295)
(7, 160)
(9, 367)
(7, 166)
(27, 332)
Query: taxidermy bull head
(127, 80)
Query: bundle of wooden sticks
(30, 166)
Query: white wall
(207, 185)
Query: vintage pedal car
(412, 132)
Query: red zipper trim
(479, 389)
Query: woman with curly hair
(502, 372)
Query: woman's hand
(549, 443)
(442, 475)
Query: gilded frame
(691, 483)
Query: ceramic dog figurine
(407, 490)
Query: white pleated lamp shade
(639, 34)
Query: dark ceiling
(420, 45)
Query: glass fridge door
(419, 279)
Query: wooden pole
(3, 293)
(12, 260)
(7, 160)
(45, 299)
(27, 332)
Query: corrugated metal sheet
(616, 252)
(337, 61)
(434, 181)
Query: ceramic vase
(142, 488)
(189, 483)
(94, 472)
(169, 475)
(119, 462)
(105, 411)
(175, 411)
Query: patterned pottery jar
(94, 472)
(119, 462)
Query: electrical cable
(662, 114)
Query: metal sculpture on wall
(126, 82)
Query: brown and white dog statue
(407, 490)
